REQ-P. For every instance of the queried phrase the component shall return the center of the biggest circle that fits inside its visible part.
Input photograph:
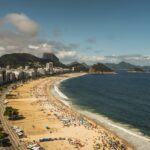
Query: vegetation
(120, 66)
(1, 88)
(79, 66)
(3, 135)
(1, 129)
(22, 59)
(138, 69)
(99, 68)
(3, 138)
(10, 96)
(9, 111)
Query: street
(14, 139)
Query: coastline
(137, 140)
(55, 89)
(45, 116)
(65, 100)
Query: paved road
(15, 141)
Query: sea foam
(60, 93)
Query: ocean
(123, 98)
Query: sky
(78, 30)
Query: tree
(3, 135)
(1, 129)
(9, 111)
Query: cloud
(22, 23)
(11, 42)
(92, 58)
(26, 40)
(67, 55)
(135, 59)
(2, 48)
(14, 42)
(33, 47)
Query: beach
(46, 116)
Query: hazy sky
(82, 30)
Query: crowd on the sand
(105, 140)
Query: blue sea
(124, 97)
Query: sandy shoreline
(135, 138)
(47, 117)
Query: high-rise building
(49, 67)
(3, 74)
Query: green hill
(23, 59)
(100, 68)
(79, 66)
(120, 66)
(137, 69)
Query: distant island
(100, 68)
(120, 66)
(125, 66)
(136, 70)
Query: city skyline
(85, 31)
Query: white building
(49, 68)
(65, 70)
(41, 72)
(3, 75)
(19, 74)
(10, 76)
(31, 73)
(58, 70)
(26, 67)
(1, 79)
